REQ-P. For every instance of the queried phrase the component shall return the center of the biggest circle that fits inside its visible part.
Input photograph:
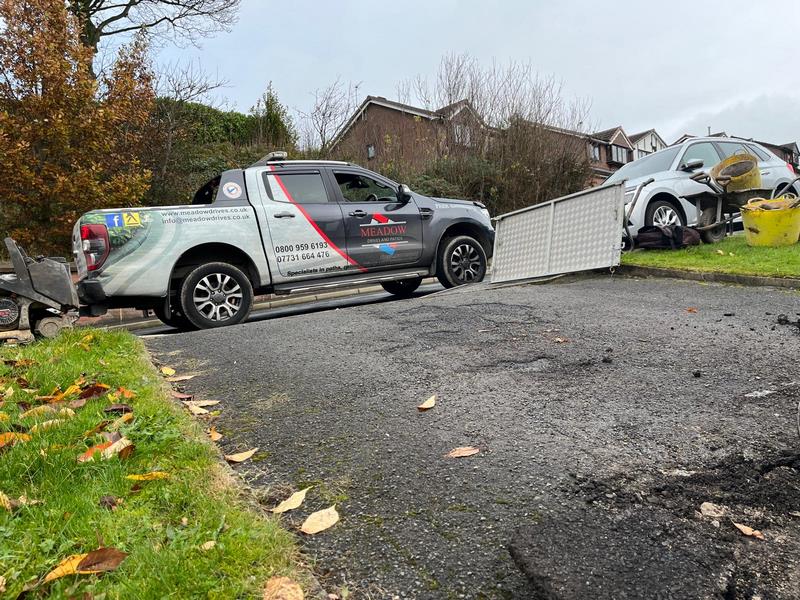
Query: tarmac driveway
(607, 410)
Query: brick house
(382, 132)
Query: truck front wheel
(215, 295)
(460, 260)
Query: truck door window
(302, 188)
(360, 188)
(704, 151)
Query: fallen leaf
(76, 404)
(282, 588)
(13, 437)
(123, 448)
(720, 252)
(126, 393)
(8, 393)
(25, 501)
(560, 340)
(428, 404)
(68, 566)
(709, 509)
(46, 425)
(101, 426)
(167, 371)
(2, 584)
(100, 561)
(110, 502)
(320, 521)
(5, 502)
(126, 418)
(89, 454)
(241, 456)
(70, 391)
(181, 395)
(292, 502)
(691, 309)
(17, 364)
(152, 475)
(37, 410)
(112, 436)
(178, 378)
(24, 384)
(184, 522)
(4, 417)
(118, 409)
(208, 545)
(214, 434)
(93, 391)
(749, 531)
(194, 409)
(87, 338)
(462, 451)
(66, 412)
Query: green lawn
(732, 255)
(160, 524)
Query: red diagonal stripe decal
(380, 218)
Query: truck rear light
(96, 246)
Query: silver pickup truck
(278, 226)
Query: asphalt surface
(606, 410)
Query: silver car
(662, 201)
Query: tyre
(173, 319)
(718, 233)
(403, 287)
(460, 260)
(663, 213)
(216, 295)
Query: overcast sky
(682, 67)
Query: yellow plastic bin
(771, 222)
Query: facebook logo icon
(114, 220)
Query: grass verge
(161, 524)
(732, 255)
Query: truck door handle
(358, 213)
(765, 172)
(425, 213)
(283, 215)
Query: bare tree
(188, 19)
(331, 109)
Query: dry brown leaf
(184, 521)
(126, 418)
(178, 378)
(68, 566)
(66, 412)
(38, 410)
(428, 404)
(241, 456)
(208, 545)
(148, 476)
(282, 588)
(721, 253)
(214, 434)
(691, 309)
(202, 403)
(181, 395)
(13, 437)
(110, 502)
(122, 448)
(167, 371)
(101, 426)
(126, 393)
(2, 584)
(100, 561)
(462, 451)
(89, 454)
(292, 502)
(76, 404)
(194, 409)
(17, 364)
(5, 502)
(9, 392)
(46, 425)
(320, 520)
(118, 409)
(93, 391)
(749, 531)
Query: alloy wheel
(665, 216)
(217, 296)
(465, 263)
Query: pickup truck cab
(278, 226)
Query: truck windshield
(654, 163)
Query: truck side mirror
(403, 193)
(692, 165)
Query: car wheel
(461, 260)
(173, 319)
(403, 287)
(216, 295)
(663, 213)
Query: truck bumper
(92, 297)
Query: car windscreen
(654, 163)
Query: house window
(594, 152)
(463, 134)
(619, 154)
(641, 153)
(370, 151)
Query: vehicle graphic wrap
(309, 242)
(147, 242)
(383, 233)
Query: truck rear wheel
(173, 319)
(403, 288)
(216, 295)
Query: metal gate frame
(578, 232)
